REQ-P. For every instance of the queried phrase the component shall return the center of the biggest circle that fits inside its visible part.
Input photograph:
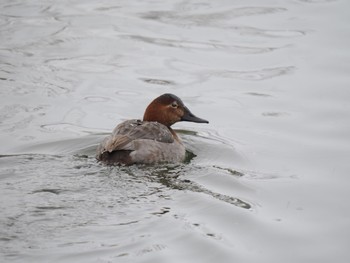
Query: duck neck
(174, 135)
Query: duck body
(151, 140)
(136, 141)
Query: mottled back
(128, 131)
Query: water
(268, 179)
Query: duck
(151, 140)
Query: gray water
(268, 178)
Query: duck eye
(174, 104)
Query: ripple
(283, 33)
(210, 135)
(158, 81)
(252, 75)
(256, 75)
(39, 29)
(51, 207)
(31, 75)
(218, 18)
(171, 177)
(163, 211)
(128, 93)
(231, 171)
(18, 10)
(221, 19)
(9, 111)
(257, 94)
(270, 33)
(258, 175)
(96, 99)
(317, 1)
(46, 190)
(82, 146)
(208, 46)
(108, 8)
(84, 64)
(150, 248)
(275, 114)
(18, 117)
(210, 147)
(68, 127)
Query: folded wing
(125, 133)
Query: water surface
(267, 180)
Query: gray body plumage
(136, 141)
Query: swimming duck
(151, 140)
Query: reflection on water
(264, 182)
(169, 176)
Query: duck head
(169, 109)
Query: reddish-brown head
(169, 109)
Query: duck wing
(126, 132)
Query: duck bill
(189, 116)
